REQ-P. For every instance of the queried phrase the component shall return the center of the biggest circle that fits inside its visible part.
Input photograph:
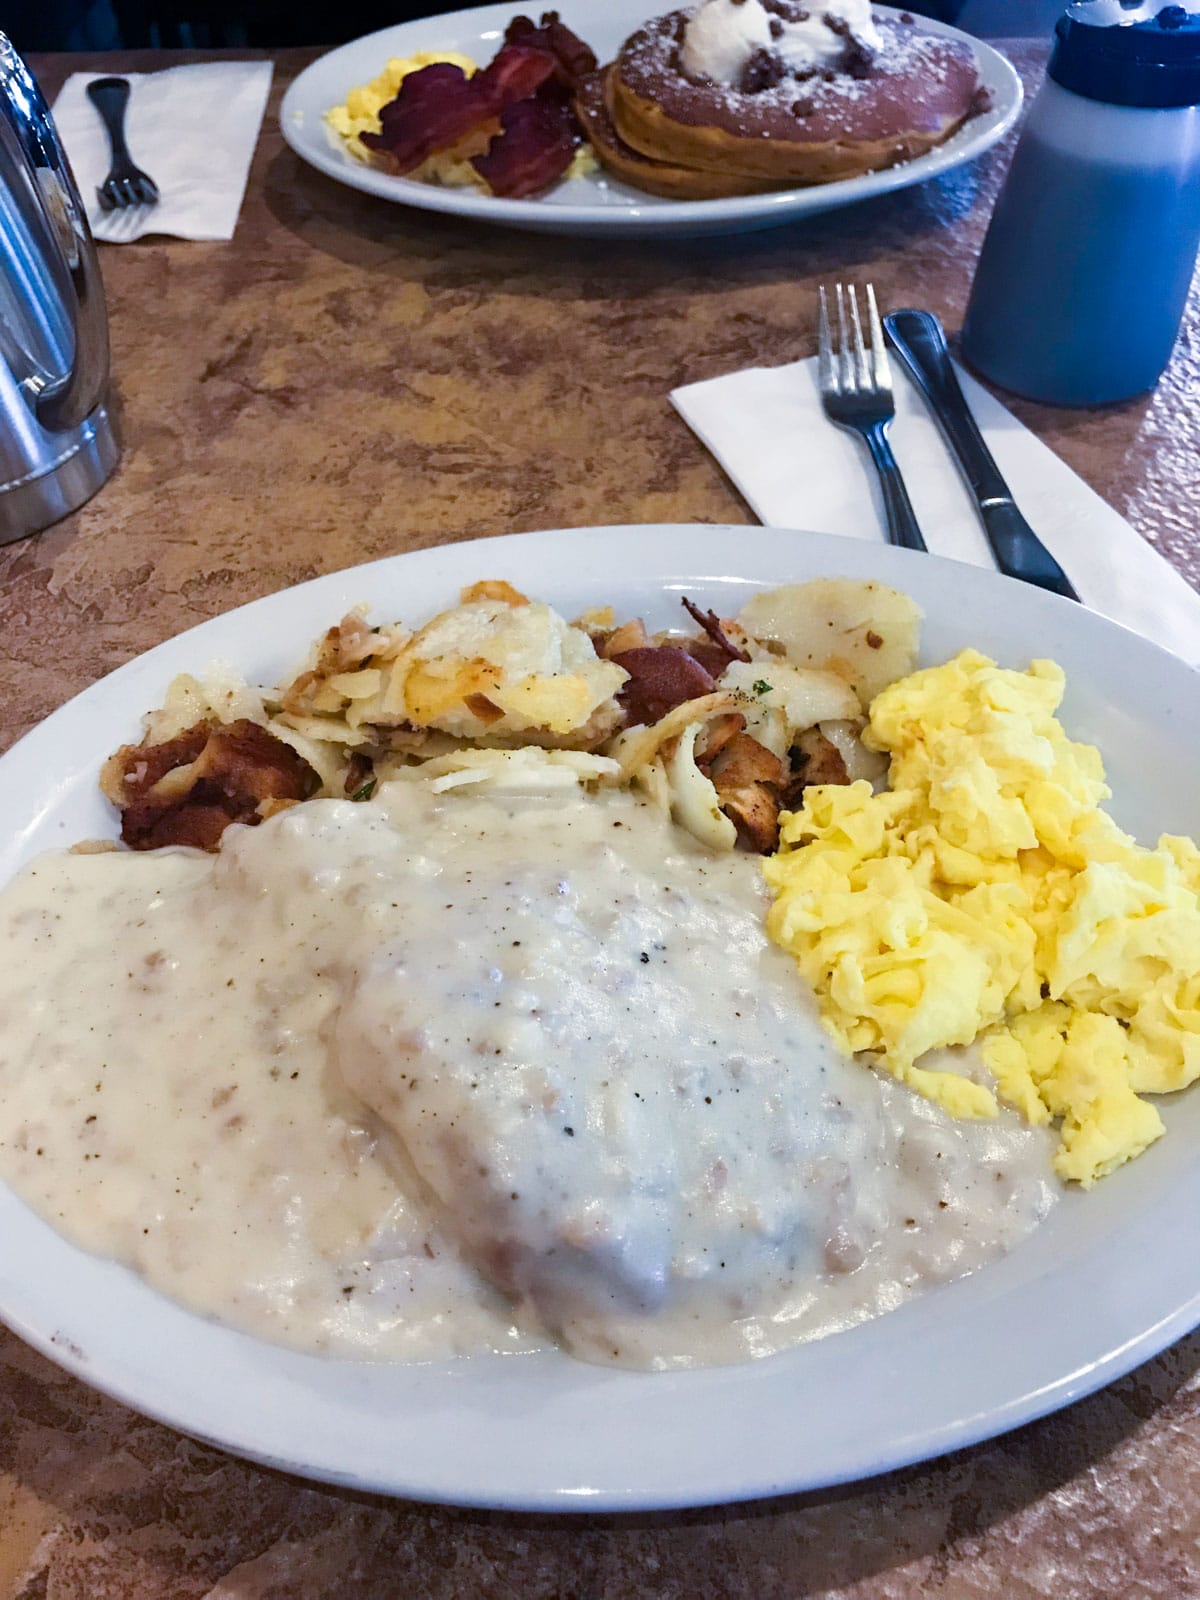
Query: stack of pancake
(747, 96)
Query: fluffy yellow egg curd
(985, 895)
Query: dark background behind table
(204, 24)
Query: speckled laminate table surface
(345, 380)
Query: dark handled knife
(918, 339)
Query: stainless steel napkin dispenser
(58, 442)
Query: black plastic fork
(126, 185)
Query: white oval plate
(1107, 1281)
(599, 205)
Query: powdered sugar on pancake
(914, 80)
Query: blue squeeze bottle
(1087, 263)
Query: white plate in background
(1107, 1281)
(600, 204)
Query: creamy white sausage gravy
(445, 1073)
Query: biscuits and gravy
(456, 1023)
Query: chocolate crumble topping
(856, 57)
(909, 80)
(762, 71)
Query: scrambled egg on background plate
(985, 894)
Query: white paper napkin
(766, 428)
(193, 129)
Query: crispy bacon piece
(360, 772)
(187, 790)
(439, 105)
(715, 737)
(743, 761)
(516, 72)
(711, 657)
(533, 150)
(711, 624)
(436, 107)
(753, 785)
(573, 57)
(660, 677)
(486, 710)
(749, 779)
(815, 759)
(137, 768)
(196, 825)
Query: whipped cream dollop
(732, 41)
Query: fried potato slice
(637, 747)
(865, 632)
(783, 700)
(496, 667)
(493, 589)
(527, 768)
(695, 804)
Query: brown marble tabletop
(347, 379)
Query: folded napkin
(766, 428)
(192, 129)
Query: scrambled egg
(985, 894)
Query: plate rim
(832, 552)
(654, 215)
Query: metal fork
(126, 185)
(856, 393)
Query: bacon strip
(715, 737)
(360, 771)
(815, 759)
(235, 772)
(533, 151)
(660, 678)
(575, 60)
(711, 624)
(436, 107)
(749, 779)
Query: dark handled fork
(126, 185)
(856, 393)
